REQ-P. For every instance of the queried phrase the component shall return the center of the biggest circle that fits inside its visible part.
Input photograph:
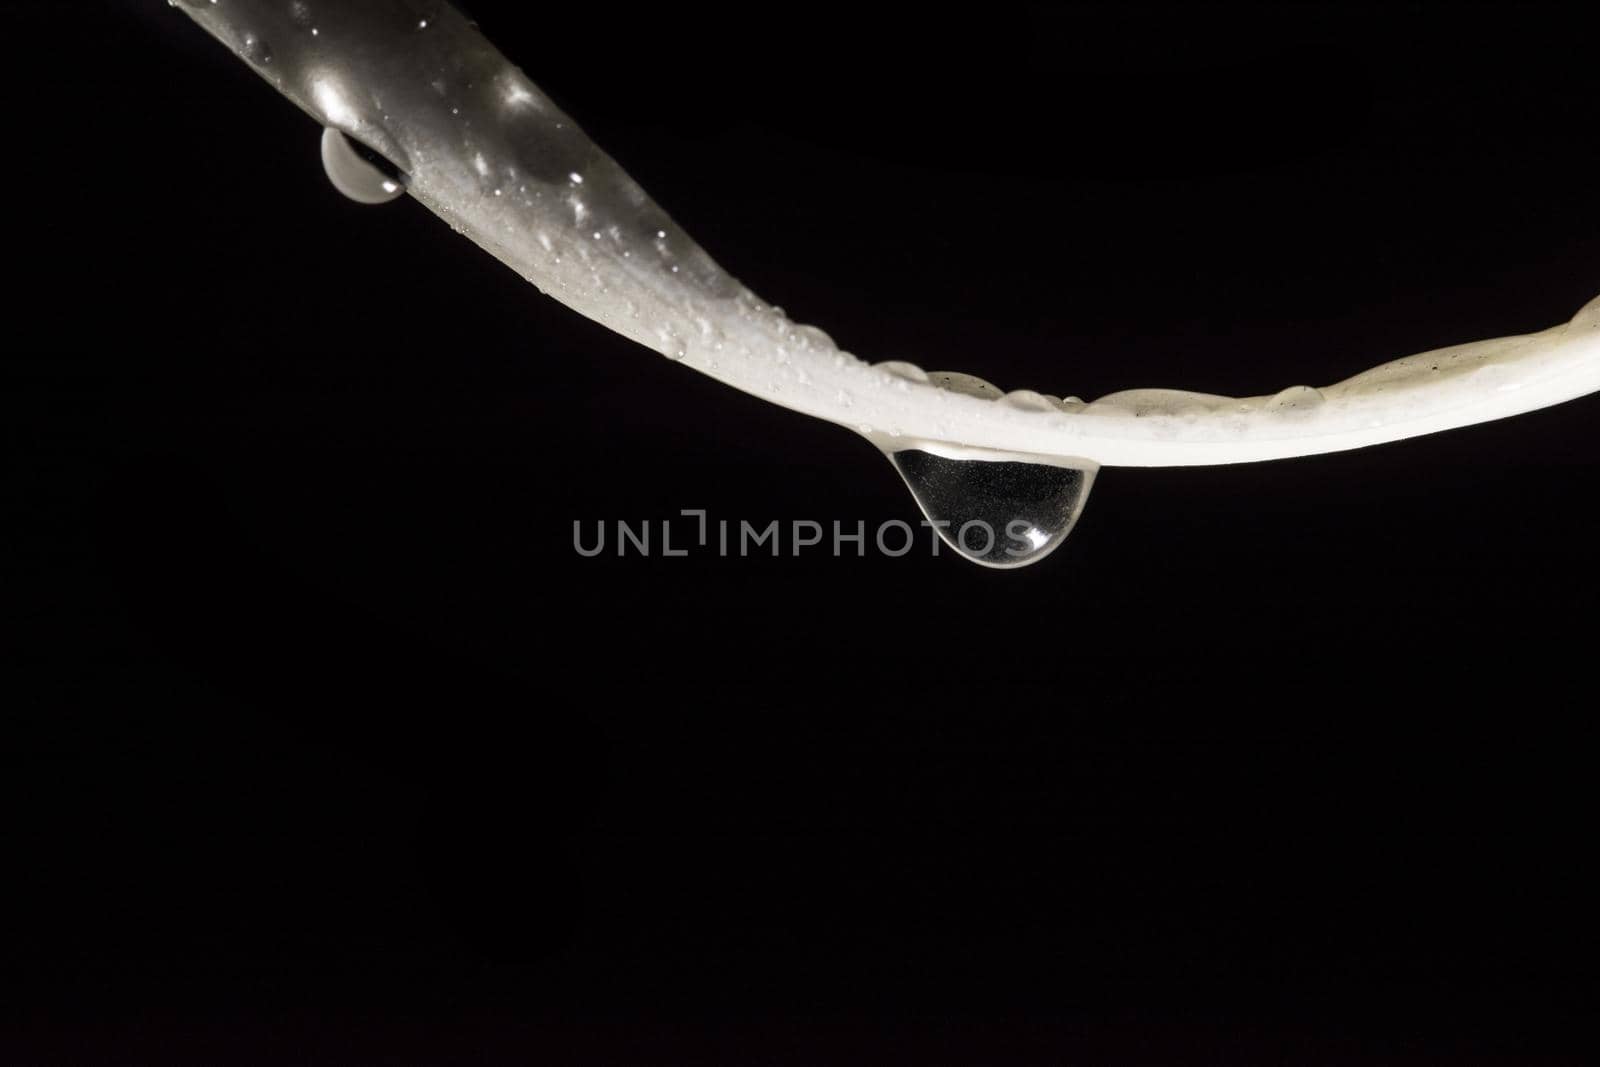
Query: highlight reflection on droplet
(997, 512)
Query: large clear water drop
(357, 172)
(999, 512)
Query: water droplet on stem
(357, 171)
(1006, 512)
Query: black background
(321, 744)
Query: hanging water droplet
(357, 171)
(1002, 512)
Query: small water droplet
(1028, 400)
(256, 50)
(1296, 400)
(671, 344)
(357, 171)
(810, 337)
(970, 384)
(1002, 512)
(1588, 316)
(900, 369)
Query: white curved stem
(486, 150)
